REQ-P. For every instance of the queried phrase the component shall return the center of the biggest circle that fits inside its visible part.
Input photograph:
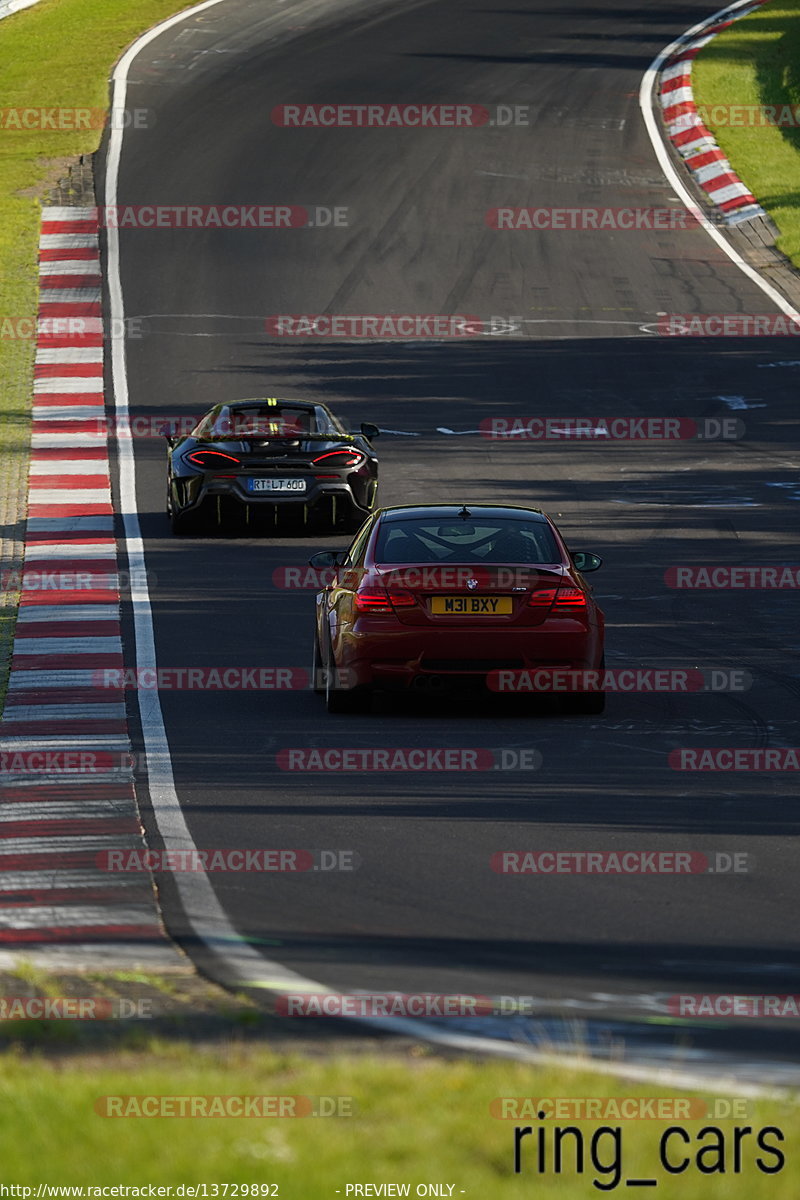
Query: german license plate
(472, 606)
(276, 485)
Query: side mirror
(369, 431)
(584, 560)
(327, 558)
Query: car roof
(444, 512)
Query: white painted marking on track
(69, 266)
(72, 493)
(69, 383)
(49, 355)
(73, 877)
(68, 842)
(69, 466)
(62, 712)
(65, 810)
(69, 645)
(66, 212)
(24, 681)
(82, 523)
(67, 241)
(67, 612)
(71, 412)
(738, 403)
(73, 295)
(71, 916)
(42, 551)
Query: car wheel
(183, 523)
(588, 704)
(317, 670)
(343, 700)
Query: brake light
(402, 599)
(211, 459)
(542, 598)
(339, 458)
(570, 599)
(383, 602)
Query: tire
(351, 523)
(343, 700)
(588, 704)
(182, 523)
(317, 670)
(185, 523)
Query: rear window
(273, 421)
(460, 541)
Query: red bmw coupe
(445, 595)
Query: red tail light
(569, 600)
(211, 459)
(383, 602)
(542, 598)
(336, 459)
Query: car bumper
(409, 657)
(345, 497)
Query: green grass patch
(58, 54)
(757, 62)
(415, 1119)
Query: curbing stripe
(53, 709)
(734, 202)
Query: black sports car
(262, 459)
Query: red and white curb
(710, 168)
(66, 779)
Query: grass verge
(57, 55)
(399, 1113)
(400, 1118)
(756, 62)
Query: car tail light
(383, 602)
(542, 598)
(326, 476)
(336, 459)
(210, 460)
(569, 600)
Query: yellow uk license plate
(472, 606)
